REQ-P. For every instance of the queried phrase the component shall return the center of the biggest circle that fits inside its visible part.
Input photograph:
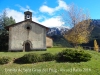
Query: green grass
(19, 54)
(91, 67)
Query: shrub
(79, 47)
(30, 58)
(70, 55)
(5, 60)
(85, 57)
(47, 57)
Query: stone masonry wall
(18, 34)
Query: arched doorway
(27, 46)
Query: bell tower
(28, 15)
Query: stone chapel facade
(27, 35)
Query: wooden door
(27, 46)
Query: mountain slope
(95, 33)
(57, 30)
(56, 33)
(60, 41)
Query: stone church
(27, 35)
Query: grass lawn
(91, 67)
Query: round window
(28, 27)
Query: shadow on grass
(72, 61)
(69, 61)
(19, 61)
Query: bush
(29, 58)
(79, 47)
(70, 55)
(85, 57)
(47, 57)
(5, 60)
(33, 58)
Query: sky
(47, 12)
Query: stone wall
(18, 34)
(49, 42)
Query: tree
(4, 21)
(79, 22)
(96, 46)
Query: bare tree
(79, 21)
(75, 15)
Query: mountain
(63, 29)
(56, 33)
(95, 22)
(95, 33)
(57, 30)
(60, 41)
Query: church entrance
(27, 46)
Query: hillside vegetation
(60, 41)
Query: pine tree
(96, 46)
(4, 21)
